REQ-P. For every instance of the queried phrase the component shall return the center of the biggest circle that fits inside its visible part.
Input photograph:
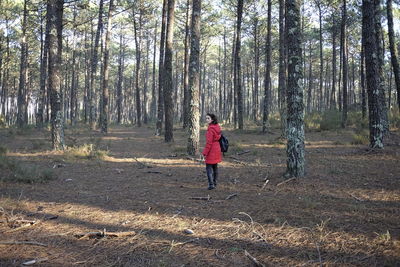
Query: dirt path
(344, 212)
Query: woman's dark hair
(213, 118)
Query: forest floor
(132, 205)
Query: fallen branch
(287, 181)
(32, 262)
(103, 234)
(254, 260)
(22, 243)
(154, 172)
(240, 162)
(194, 159)
(243, 152)
(201, 198)
(231, 196)
(265, 184)
(181, 243)
(142, 164)
(28, 224)
(356, 198)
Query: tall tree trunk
(267, 80)
(138, 42)
(23, 74)
(105, 102)
(55, 50)
(310, 81)
(362, 81)
(120, 78)
(374, 77)
(344, 64)
(186, 96)
(237, 72)
(282, 69)
(153, 90)
(4, 96)
(92, 100)
(321, 58)
(146, 82)
(194, 82)
(73, 91)
(333, 92)
(160, 102)
(295, 143)
(256, 69)
(393, 52)
(43, 76)
(169, 112)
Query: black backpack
(224, 143)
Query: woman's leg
(209, 169)
(215, 176)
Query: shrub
(312, 121)
(16, 171)
(86, 151)
(394, 118)
(331, 120)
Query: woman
(212, 150)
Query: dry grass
(344, 212)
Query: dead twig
(265, 184)
(243, 152)
(254, 260)
(356, 198)
(287, 181)
(173, 244)
(231, 196)
(103, 234)
(201, 198)
(34, 243)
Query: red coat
(212, 149)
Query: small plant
(385, 237)
(86, 151)
(312, 121)
(361, 137)
(394, 118)
(16, 171)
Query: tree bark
(105, 98)
(92, 99)
(120, 78)
(168, 85)
(186, 94)
(160, 102)
(333, 91)
(267, 80)
(138, 41)
(23, 74)
(344, 64)
(55, 50)
(374, 77)
(295, 143)
(392, 47)
(237, 72)
(282, 69)
(193, 144)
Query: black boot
(210, 184)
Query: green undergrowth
(85, 151)
(21, 172)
